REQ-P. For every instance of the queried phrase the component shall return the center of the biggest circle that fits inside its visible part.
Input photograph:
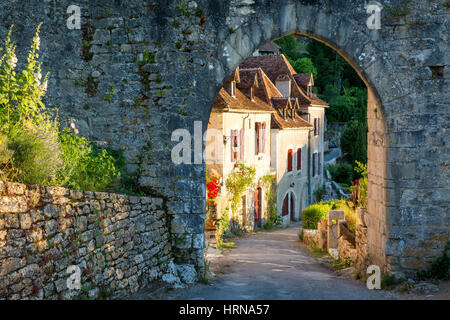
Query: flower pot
(363, 216)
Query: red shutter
(289, 160)
(286, 205)
(263, 137)
(299, 158)
(242, 143)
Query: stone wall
(346, 250)
(361, 248)
(120, 243)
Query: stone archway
(400, 237)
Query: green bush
(85, 166)
(33, 149)
(440, 268)
(312, 215)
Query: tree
(354, 142)
(304, 65)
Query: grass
(317, 253)
(342, 264)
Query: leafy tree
(304, 65)
(354, 142)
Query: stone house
(266, 116)
(297, 131)
(239, 133)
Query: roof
(270, 47)
(249, 78)
(277, 122)
(273, 66)
(280, 122)
(304, 79)
(240, 102)
(266, 90)
(278, 67)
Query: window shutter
(263, 137)
(318, 126)
(299, 158)
(290, 160)
(242, 144)
(319, 163)
(313, 164)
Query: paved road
(334, 153)
(274, 265)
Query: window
(235, 145)
(316, 126)
(233, 89)
(289, 160)
(299, 158)
(260, 133)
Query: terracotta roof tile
(240, 102)
(304, 79)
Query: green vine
(268, 181)
(238, 182)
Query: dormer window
(233, 89)
(283, 84)
(308, 91)
(252, 94)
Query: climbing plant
(238, 182)
(268, 181)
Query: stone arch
(344, 36)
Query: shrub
(440, 268)
(36, 152)
(85, 166)
(312, 215)
(33, 149)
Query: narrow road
(274, 265)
